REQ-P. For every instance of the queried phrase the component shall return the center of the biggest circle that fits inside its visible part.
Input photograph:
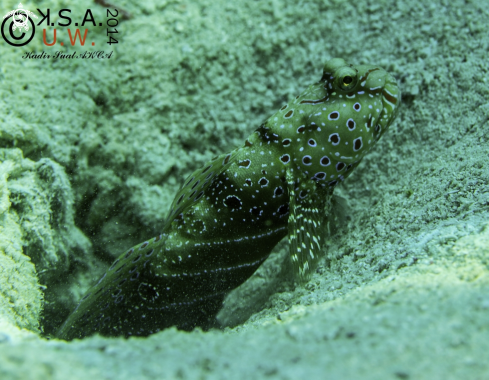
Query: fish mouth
(391, 93)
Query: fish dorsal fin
(306, 224)
(196, 183)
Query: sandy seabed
(92, 151)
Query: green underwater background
(92, 152)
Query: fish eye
(346, 78)
(347, 82)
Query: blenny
(228, 215)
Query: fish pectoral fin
(305, 227)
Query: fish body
(228, 215)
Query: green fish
(228, 215)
